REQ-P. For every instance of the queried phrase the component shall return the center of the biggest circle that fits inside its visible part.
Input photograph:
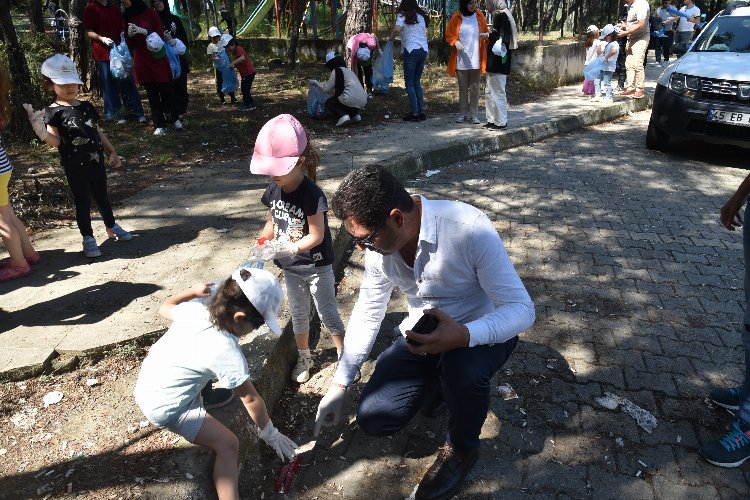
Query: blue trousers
(401, 380)
(413, 67)
(744, 412)
(113, 89)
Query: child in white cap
(608, 51)
(72, 126)
(202, 344)
(298, 217)
(213, 51)
(346, 97)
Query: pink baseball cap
(278, 146)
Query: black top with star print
(80, 143)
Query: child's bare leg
(338, 341)
(216, 436)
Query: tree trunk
(36, 16)
(79, 47)
(21, 89)
(297, 9)
(358, 20)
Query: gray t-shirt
(183, 361)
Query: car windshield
(726, 34)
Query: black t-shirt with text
(290, 211)
(80, 144)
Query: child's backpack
(364, 55)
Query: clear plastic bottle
(259, 255)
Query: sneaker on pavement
(177, 125)
(461, 118)
(301, 372)
(90, 248)
(117, 233)
(160, 131)
(731, 450)
(343, 120)
(728, 398)
(142, 119)
(216, 397)
(475, 120)
(357, 118)
(638, 94)
(628, 92)
(122, 121)
(596, 98)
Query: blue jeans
(606, 76)
(401, 380)
(112, 89)
(744, 413)
(413, 67)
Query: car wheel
(656, 139)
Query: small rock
(91, 382)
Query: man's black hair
(368, 195)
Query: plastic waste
(52, 398)
(120, 60)
(174, 61)
(316, 101)
(591, 70)
(229, 76)
(645, 419)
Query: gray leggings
(301, 283)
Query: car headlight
(683, 84)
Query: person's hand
(330, 408)
(136, 30)
(201, 290)
(288, 249)
(729, 215)
(459, 46)
(448, 335)
(114, 159)
(282, 445)
(37, 121)
(106, 41)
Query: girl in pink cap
(298, 218)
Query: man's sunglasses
(367, 240)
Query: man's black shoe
(216, 398)
(446, 475)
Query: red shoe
(628, 92)
(11, 272)
(31, 259)
(638, 94)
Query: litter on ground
(645, 419)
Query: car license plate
(731, 117)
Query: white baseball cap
(263, 291)
(606, 31)
(592, 28)
(61, 70)
(214, 31)
(179, 47)
(330, 55)
(225, 39)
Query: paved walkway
(73, 305)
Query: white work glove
(286, 250)
(282, 445)
(136, 30)
(459, 46)
(37, 121)
(106, 41)
(330, 408)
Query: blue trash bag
(316, 101)
(382, 70)
(120, 60)
(174, 61)
(591, 70)
(229, 80)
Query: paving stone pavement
(638, 292)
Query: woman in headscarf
(467, 33)
(504, 34)
(151, 67)
(173, 25)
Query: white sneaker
(596, 98)
(301, 372)
(357, 118)
(177, 125)
(607, 100)
(122, 121)
(160, 131)
(343, 120)
(461, 118)
(474, 119)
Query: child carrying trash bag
(346, 97)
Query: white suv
(705, 95)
